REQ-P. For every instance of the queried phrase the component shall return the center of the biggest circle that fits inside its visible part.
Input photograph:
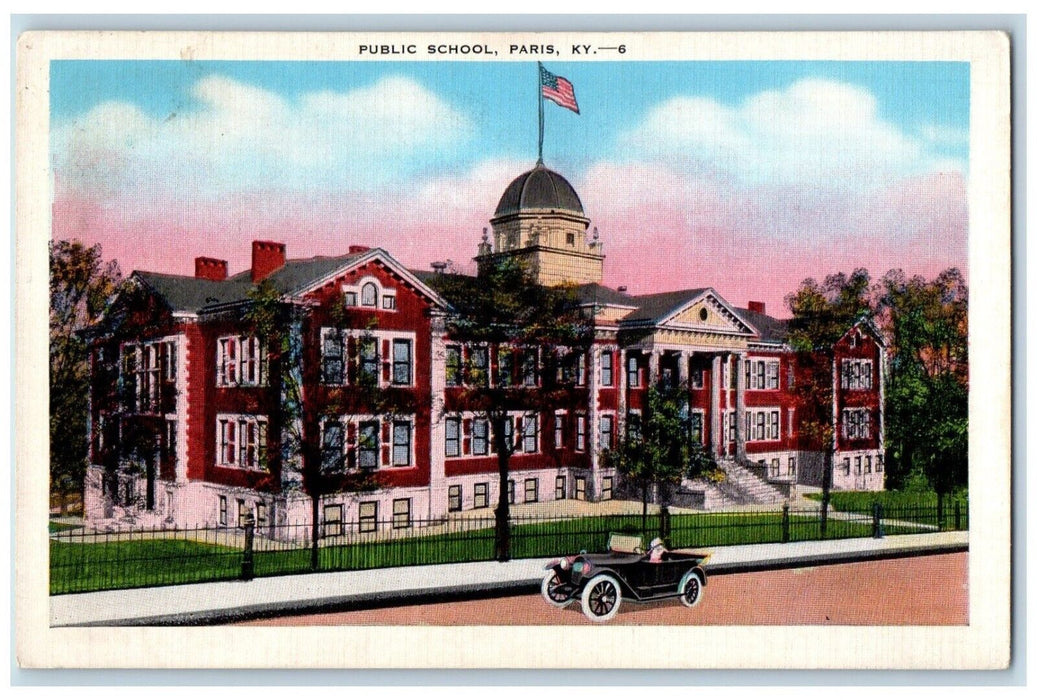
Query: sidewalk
(208, 603)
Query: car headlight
(563, 564)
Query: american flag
(558, 90)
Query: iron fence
(81, 560)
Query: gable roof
(656, 307)
(594, 293)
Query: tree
(303, 452)
(82, 285)
(927, 389)
(657, 452)
(538, 330)
(821, 315)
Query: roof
(772, 330)
(594, 293)
(539, 188)
(653, 307)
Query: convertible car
(602, 581)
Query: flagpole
(540, 100)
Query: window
(581, 433)
(480, 437)
(697, 379)
(529, 368)
(261, 520)
(482, 495)
(581, 370)
(878, 463)
(559, 432)
(332, 447)
(856, 424)
(400, 513)
(332, 521)
(857, 464)
(332, 357)
(774, 433)
(242, 512)
(772, 374)
(368, 516)
(696, 420)
(633, 373)
(559, 488)
(511, 491)
(505, 367)
(606, 488)
(453, 365)
(760, 375)
(169, 443)
(792, 466)
(532, 488)
(480, 366)
(856, 374)
(529, 434)
(401, 362)
(581, 488)
(223, 511)
(369, 359)
(633, 426)
(369, 294)
(368, 439)
(453, 503)
(509, 432)
(570, 238)
(242, 441)
(761, 422)
(775, 466)
(846, 466)
(401, 442)
(349, 298)
(732, 425)
(389, 301)
(606, 368)
(241, 361)
(453, 437)
(169, 361)
(867, 464)
(606, 432)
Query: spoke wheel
(691, 590)
(601, 598)
(554, 591)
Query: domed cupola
(539, 189)
(540, 220)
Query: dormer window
(369, 295)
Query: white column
(653, 367)
(682, 368)
(740, 406)
(621, 404)
(593, 387)
(715, 434)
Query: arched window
(369, 294)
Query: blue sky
(723, 165)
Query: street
(923, 590)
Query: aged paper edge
(983, 644)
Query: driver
(656, 550)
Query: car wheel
(601, 598)
(554, 591)
(691, 590)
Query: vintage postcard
(421, 350)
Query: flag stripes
(558, 90)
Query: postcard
(425, 350)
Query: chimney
(621, 288)
(439, 267)
(359, 249)
(758, 306)
(210, 269)
(267, 257)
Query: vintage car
(601, 581)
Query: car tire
(601, 598)
(691, 589)
(548, 589)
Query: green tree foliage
(927, 388)
(656, 453)
(504, 307)
(821, 315)
(81, 287)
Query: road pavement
(212, 603)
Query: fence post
(785, 522)
(247, 568)
(957, 515)
(876, 521)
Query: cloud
(813, 135)
(242, 138)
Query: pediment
(708, 313)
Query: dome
(539, 188)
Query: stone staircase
(743, 487)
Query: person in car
(656, 550)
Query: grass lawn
(60, 527)
(127, 564)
